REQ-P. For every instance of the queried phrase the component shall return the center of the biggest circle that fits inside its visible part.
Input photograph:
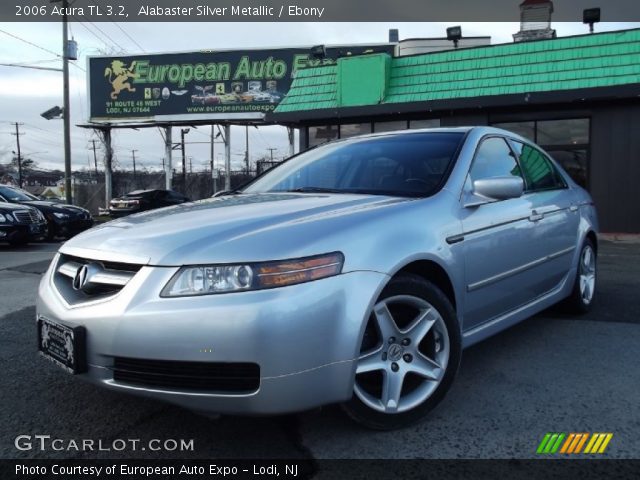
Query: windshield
(413, 164)
(15, 195)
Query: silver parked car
(355, 272)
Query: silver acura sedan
(353, 273)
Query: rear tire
(409, 355)
(584, 287)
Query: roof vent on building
(535, 21)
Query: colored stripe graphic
(581, 443)
(551, 443)
(573, 443)
(598, 443)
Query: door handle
(573, 208)
(535, 216)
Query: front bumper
(20, 232)
(304, 338)
(69, 227)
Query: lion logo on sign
(119, 74)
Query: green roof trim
(587, 61)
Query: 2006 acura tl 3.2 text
(355, 272)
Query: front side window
(539, 172)
(403, 165)
(494, 159)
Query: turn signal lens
(290, 272)
(210, 279)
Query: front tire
(584, 288)
(409, 355)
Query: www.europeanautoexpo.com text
(123, 11)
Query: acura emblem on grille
(85, 274)
(81, 278)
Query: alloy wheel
(587, 274)
(404, 357)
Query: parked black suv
(141, 200)
(62, 220)
(20, 224)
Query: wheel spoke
(385, 321)
(426, 368)
(370, 361)
(391, 390)
(420, 326)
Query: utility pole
(213, 163)
(227, 156)
(133, 155)
(247, 150)
(95, 158)
(17, 134)
(183, 132)
(271, 151)
(67, 110)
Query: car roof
(482, 130)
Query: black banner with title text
(303, 10)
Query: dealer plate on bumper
(64, 346)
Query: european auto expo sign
(201, 85)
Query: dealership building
(578, 97)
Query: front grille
(204, 376)
(27, 216)
(109, 280)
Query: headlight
(210, 279)
(3, 218)
(60, 215)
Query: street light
(53, 113)
(454, 34)
(591, 16)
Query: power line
(129, 37)
(30, 43)
(115, 44)
(30, 67)
(92, 33)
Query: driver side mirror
(486, 190)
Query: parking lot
(552, 373)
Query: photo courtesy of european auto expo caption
(123, 470)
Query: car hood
(239, 228)
(12, 207)
(53, 206)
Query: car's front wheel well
(591, 235)
(435, 274)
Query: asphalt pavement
(551, 373)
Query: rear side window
(539, 172)
(494, 159)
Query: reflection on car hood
(12, 207)
(53, 206)
(247, 227)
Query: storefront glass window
(524, 129)
(574, 161)
(390, 126)
(563, 132)
(354, 129)
(430, 123)
(318, 135)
